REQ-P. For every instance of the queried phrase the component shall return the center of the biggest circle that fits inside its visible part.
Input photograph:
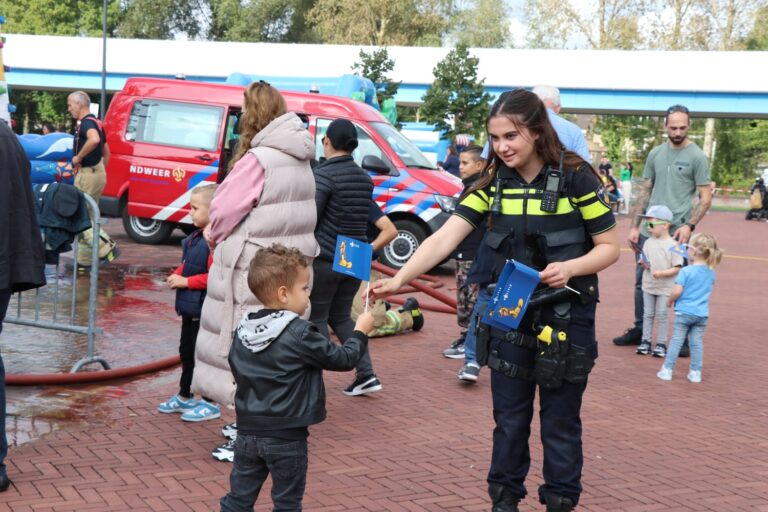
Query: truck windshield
(405, 149)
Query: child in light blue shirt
(690, 297)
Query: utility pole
(103, 105)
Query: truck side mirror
(375, 164)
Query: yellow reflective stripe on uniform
(510, 191)
(563, 206)
(476, 203)
(593, 210)
(584, 198)
(511, 206)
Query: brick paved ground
(422, 444)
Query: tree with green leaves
(276, 21)
(456, 102)
(628, 137)
(160, 19)
(604, 24)
(482, 24)
(58, 17)
(379, 22)
(376, 66)
(758, 36)
(740, 149)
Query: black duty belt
(510, 369)
(516, 338)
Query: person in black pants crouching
(343, 197)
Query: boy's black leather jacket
(277, 360)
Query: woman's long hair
(525, 109)
(263, 104)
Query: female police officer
(544, 208)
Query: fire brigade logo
(178, 174)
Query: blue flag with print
(644, 259)
(353, 258)
(681, 250)
(511, 296)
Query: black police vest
(195, 257)
(521, 231)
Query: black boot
(556, 502)
(503, 499)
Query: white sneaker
(225, 452)
(665, 373)
(229, 430)
(694, 376)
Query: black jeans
(639, 287)
(257, 457)
(331, 298)
(189, 329)
(5, 298)
(560, 418)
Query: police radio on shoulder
(552, 187)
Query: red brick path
(423, 443)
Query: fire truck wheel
(409, 237)
(146, 231)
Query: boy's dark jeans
(189, 329)
(257, 457)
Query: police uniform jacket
(522, 231)
(467, 249)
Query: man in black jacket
(343, 197)
(21, 248)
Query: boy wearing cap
(343, 197)
(661, 263)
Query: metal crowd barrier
(69, 322)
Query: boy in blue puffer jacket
(190, 280)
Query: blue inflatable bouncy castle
(348, 86)
(50, 156)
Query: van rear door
(176, 146)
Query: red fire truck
(168, 136)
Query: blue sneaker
(204, 411)
(177, 404)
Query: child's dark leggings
(189, 328)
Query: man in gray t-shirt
(675, 172)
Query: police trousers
(560, 418)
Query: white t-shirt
(657, 250)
